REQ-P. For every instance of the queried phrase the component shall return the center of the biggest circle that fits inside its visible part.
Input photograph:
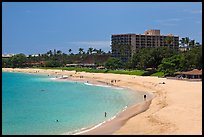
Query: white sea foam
(53, 78)
(84, 130)
(118, 88)
(96, 85)
(88, 84)
(103, 86)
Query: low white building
(7, 55)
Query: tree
(49, 53)
(144, 58)
(182, 42)
(89, 51)
(188, 43)
(123, 52)
(192, 43)
(128, 65)
(172, 64)
(187, 40)
(59, 52)
(193, 58)
(168, 40)
(6, 63)
(53, 63)
(18, 60)
(81, 50)
(70, 50)
(54, 52)
(197, 44)
(100, 51)
(113, 63)
(151, 57)
(95, 50)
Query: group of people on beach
(113, 81)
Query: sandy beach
(175, 109)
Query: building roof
(101, 67)
(86, 64)
(153, 32)
(144, 34)
(35, 63)
(7, 55)
(123, 34)
(192, 72)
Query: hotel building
(131, 43)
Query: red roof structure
(192, 72)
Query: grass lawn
(159, 74)
(129, 72)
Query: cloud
(93, 44)
(193, 11)
(198, 22)
(51, 31)
(75, 45)
(168, 22)
(172, 20)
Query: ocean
(32, 104)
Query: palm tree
(49, 53)
(99, 51)
(81, 50)
(59, 52)
(95, 50)
(90, 50)
(192, 43)
(169, 40)
(182, 42)
(187, 40)
(197, 44)
(70, 50)
(54, 51)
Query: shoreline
(112, 124)
(175, 109)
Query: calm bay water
(31, 104)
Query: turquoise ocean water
(31, 104)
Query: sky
(37, 27)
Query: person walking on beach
(145, 96)
(105, 114)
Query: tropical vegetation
(147, 61)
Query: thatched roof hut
(193, 74)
